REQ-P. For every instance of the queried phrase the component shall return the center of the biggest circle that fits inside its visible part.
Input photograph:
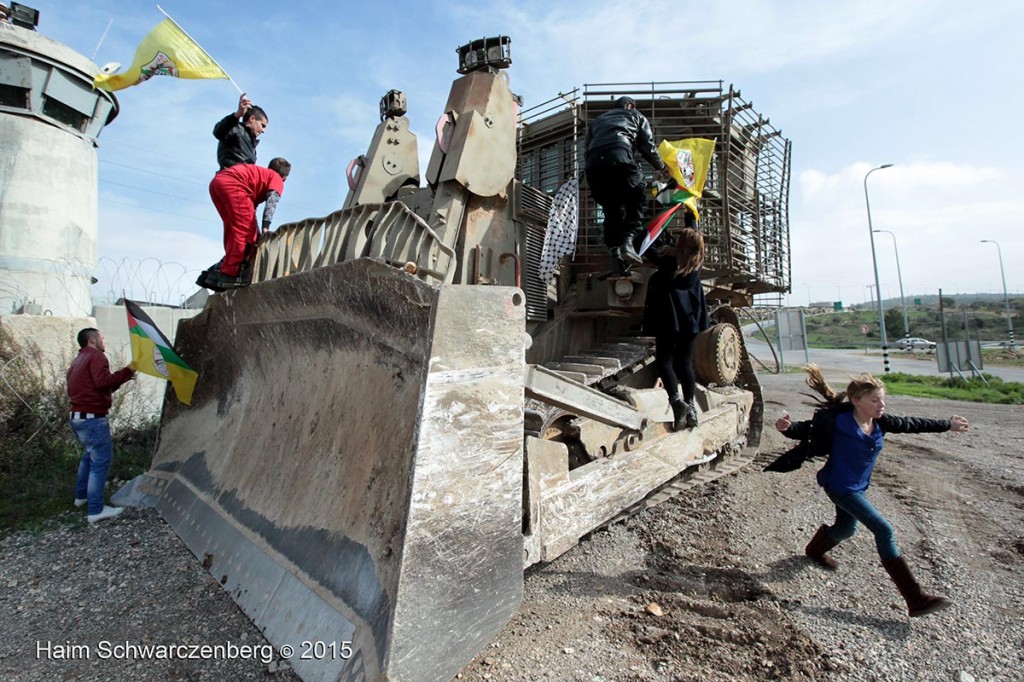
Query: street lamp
(874, 262)
(899, 275)
(1006, 297)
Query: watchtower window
(13, 96)
(15, 81)
(65, 114)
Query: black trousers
(619, 189)
(673, 356)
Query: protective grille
(532, 211)
(745, 207)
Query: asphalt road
(856, 361)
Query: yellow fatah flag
(166, 51)
(688, 162)
(152, 354)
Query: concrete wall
(55, 339)
(50, 117)
(52, 337)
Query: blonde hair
(859, 386)
(689, 251)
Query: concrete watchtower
(50, 117)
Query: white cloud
(147, 256)
(939, 211)
(603, 41)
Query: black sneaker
(220, 282)
(619, 266)
(204, 280)
(245, 272)
(209, 279)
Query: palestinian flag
(152, 354)
(655, 227)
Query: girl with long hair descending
(849, 430)
(674, 313)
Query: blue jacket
(817, 435)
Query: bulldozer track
(620, 357)
(691, 477)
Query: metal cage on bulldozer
(745, 206)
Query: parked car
(915, 343)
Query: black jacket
(675, 305)
(816, 434)
(237, 145)
(616, 135)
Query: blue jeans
(94, 435)
(854, 507)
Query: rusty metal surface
(351, 466)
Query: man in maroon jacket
(90, 386)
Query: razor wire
(147, 280)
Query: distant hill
(982, 320)
(932, 300)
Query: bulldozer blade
(351, 467)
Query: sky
(930, 86)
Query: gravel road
(709, 586)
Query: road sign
(864, 329)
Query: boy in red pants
(236, 191)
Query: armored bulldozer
(400, 415)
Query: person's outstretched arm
(791, 429)
(891, 424)
(645, 145)
(268, 210)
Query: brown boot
(817, 547)
(919, 603)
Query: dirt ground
(709, 586)
(736, 599)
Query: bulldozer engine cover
(351, 467)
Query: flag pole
(240, 92)
(102, 38)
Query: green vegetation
(973, 390)
(39, 454)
